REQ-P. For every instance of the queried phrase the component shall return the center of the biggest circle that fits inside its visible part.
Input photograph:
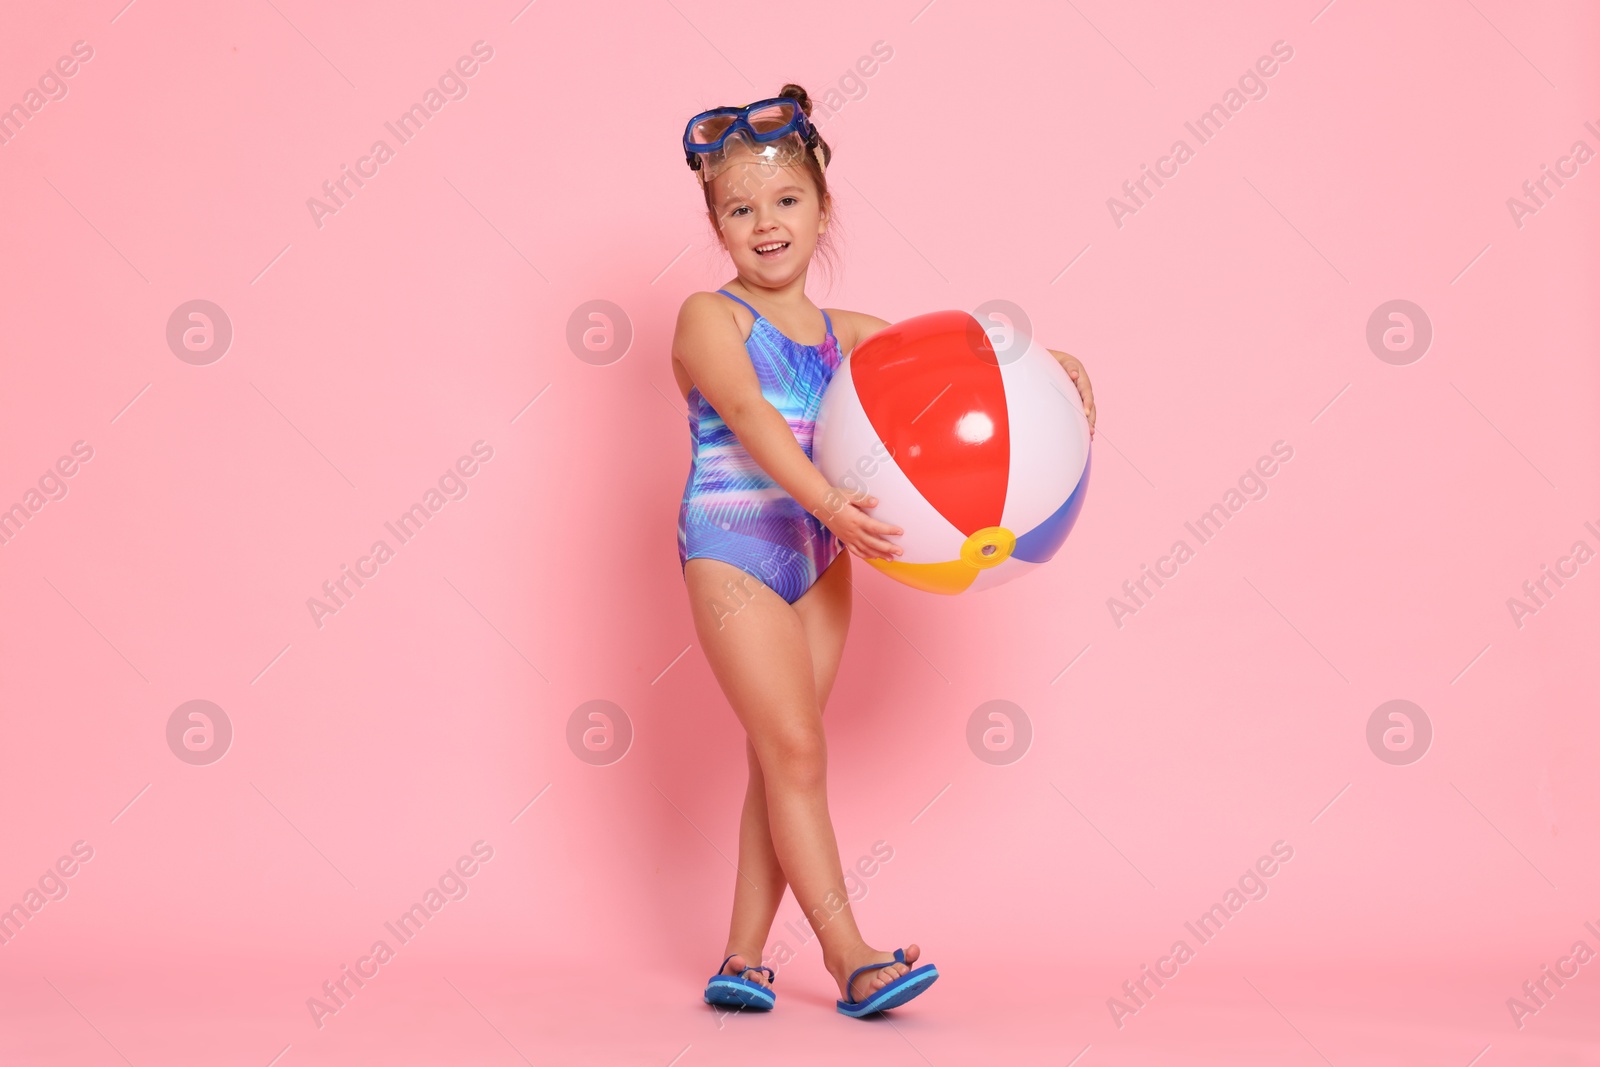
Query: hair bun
(797, 94)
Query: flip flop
(892, 995)
(738, 990)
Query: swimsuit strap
(827, 322)
(753, 311)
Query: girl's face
(776, 209)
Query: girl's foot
(867, 981)
(740, 965)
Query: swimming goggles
(775, 132)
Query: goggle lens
(771, 117)
(706, 131)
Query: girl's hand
(860, 532)
(1078, 374)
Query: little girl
(763, 553)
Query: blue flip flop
(735, 989)
(892, 995)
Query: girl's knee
(795, 756)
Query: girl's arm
(864, 326)
(708, 344)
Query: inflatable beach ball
(982, 458)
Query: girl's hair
(824, 244)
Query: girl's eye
(789, 198)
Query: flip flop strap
(899, 957)
(771, 974)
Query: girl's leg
(762, 658)
(824, 612)
(759, 883)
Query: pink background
(370, 353)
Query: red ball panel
(932, 389)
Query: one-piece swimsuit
(732, 510)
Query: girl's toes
(742, 967)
